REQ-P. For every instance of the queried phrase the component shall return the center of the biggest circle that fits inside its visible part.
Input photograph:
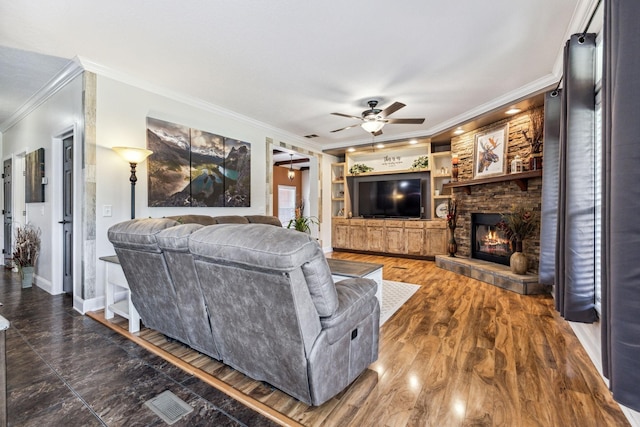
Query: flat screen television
(399, 198)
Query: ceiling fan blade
(405, 121)
(346, 115)
(348, 127)
(377, 133)
(391, 109)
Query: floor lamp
(133, 156)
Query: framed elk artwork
(489, 152)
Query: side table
(115, 281)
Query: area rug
(394, 295)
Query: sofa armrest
(356, 301)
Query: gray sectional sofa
(257, 297)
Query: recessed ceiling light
(413, 141)
(380, 146)
(513, 110)
(458, 131)
(351, 149)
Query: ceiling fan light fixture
(372, 126)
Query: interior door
(67, 214)
(7, 212)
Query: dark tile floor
(65, 369)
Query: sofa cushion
(272, 248)
(177, 238)
(194, 219)
(264, 219)
(320, 283)
(139, 234)
(231, 219)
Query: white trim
(83, 305)
(527, 90)
(43, 284)
(189, 100)
(57, 82)
(589, 336)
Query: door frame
(56, 183)
(315, 181)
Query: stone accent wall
(500, 196)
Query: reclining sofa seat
(276, 313)
(142, 261)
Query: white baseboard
(44, 284)
(84, 305)
(589, 336)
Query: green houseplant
(421, 162)
(303, 223)
(359, 168)
(26, 250)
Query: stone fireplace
(483, 253)
(487, 241)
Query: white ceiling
(289, 64)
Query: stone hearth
(492, 273)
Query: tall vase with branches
(26, 251)
(452, 217)
(517, 225)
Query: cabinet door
(395, 240)
(436, 241)
(358, 237)
(340, 235)
(415, 241)
(375, 238)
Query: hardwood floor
(458, 353)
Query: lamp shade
(372, 126)
(132, 154)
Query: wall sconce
(133, 156)
(291, 174)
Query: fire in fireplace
(487, 241)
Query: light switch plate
(106, 210)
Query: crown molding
(60, 80)
(121, 77)
(519, 94)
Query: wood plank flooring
(458, 353)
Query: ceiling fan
(374, 119)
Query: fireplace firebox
(487, 241)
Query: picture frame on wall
(489, 152)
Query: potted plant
(25, 253)
(359, 168)
(303, 223)
(518, 225)
(421, 162)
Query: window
(598, 177)
(286, 203)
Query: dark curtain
(575, 234)
(550, 184)
(621, 201)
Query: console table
(343, 269)
(115, 281)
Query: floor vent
(169, 407)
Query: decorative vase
(518, 261)
(452, 246)
(27, 276)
